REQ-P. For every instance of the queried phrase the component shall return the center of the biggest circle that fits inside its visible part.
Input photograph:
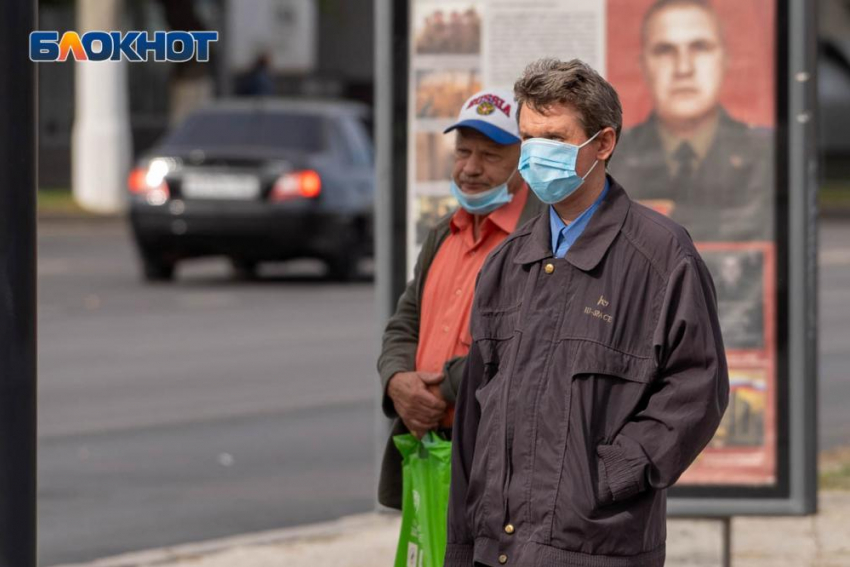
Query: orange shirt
(450, 283)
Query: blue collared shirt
(563, 235)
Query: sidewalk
(369, 541)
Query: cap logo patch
(485, 108)
(487, 104)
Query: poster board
(749, 204)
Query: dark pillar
(17, 286)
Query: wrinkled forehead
(682, 24)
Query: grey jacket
(400, 341)
(593, 381)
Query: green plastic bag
(426, 474)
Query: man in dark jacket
(427, 339)
(709, 172)
(597, 372)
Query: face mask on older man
(482, 203)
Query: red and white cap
(493, 113)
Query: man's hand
(419, 408)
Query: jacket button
(509, 529)
(503, 559)
(549, 268)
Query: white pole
(102, 141)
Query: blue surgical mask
(485, 202)
(549, 168)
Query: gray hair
(550, 81)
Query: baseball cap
(491, 112)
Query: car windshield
(303, 132)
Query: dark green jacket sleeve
(401, 335)
(453, 371)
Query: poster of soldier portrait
(696, 80)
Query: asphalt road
(178, 413)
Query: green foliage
(57, 201)
(834, 470)
(835, 194)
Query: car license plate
(220, 186)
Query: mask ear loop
(590, 170)
(594, 163)
(590, 139)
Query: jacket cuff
(447, 391)
(453, 373)
(459, 555)
(386, 401)
(616, 476)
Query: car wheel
(244, 270)
(344, 266)
(157, 269)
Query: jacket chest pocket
(494, 332)
(495, 336)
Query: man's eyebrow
(546, 134)
(661, 43)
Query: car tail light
(150, 182)
(306, 183)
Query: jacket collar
(593, 243)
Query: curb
(182, 552)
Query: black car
(257, 180)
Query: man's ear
(607, 141)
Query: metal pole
(726, 527)
(391, 56)
(802, 244)
(17, 286)
(383, 194)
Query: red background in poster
(748, 91)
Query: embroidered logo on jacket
(594, 312)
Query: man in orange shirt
(426, 341)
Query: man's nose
(473, 164)
(684, 63)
